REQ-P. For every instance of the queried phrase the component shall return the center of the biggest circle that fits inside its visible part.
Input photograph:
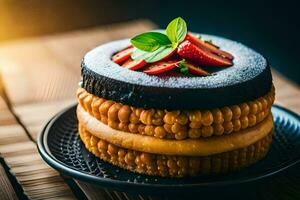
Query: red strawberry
(134, 64)
(193, 69)
(161, 66)
(200, 56)
(123, 55)
(207, 46)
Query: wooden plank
(32, 173)
(12, 134)
(22, 157)
(41, 76)
(48, 68)
(35, 116)
(6, 190)
(6, 117)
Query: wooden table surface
(38, 77)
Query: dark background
(270, 27)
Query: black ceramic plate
(61, 147)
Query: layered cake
(173, 103)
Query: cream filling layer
(188, 147)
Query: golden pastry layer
(177, 124)
(173, 165)
(188, 147)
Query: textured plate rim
(101, 181)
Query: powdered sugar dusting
(247, 65)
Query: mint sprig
(183, 67)
(153, 56)
(150, 41)
(176, 31)
(154, 46)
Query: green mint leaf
(183, 67)
(154, 56)
(150, 41)
(184, 71)
(176, 30)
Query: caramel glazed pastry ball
(147, 125)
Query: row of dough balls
(177, 124)
(175, 166)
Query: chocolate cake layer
(249, 78)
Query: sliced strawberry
(207, 46)
(193, 69)
(161, 66)
(134, 64)
(193, 53)
(123, 55)
(211, 45)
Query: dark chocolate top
(248, 79)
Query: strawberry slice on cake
(156, 53)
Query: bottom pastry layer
(172, 165)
